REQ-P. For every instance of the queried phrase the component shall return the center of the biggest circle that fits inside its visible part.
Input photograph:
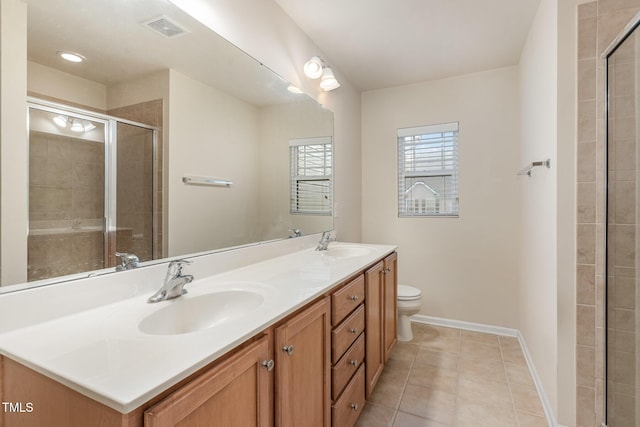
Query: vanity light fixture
(61, 120)
(329, 81)
(71, 56)
(75, 125)
(79, 125)
(313, 67)
(316, 68)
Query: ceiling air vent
(165, 26)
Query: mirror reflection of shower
(93, 191)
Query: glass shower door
(622, 215)
(135, 207)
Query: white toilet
(409, 303)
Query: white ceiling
(385, 43)
(119, 48)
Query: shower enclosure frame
(611, 49)
(110, 164)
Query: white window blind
(311, 164)
(428, 170)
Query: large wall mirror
(165, 140)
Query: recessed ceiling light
(294, 89)
(71, 57)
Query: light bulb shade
(88, 126)
(60, 120)
(76, 126)
(329, 81)
(313, 68)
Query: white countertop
(102, 354)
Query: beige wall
(466, 267)
(277, 125)
(268, 34)
(537, 292)
(13, 137)
(57, 84)
(216, 135)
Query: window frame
(446, 136)
(295, 178)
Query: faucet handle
(127, 261)
(176, 265)
(296, 232)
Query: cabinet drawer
(346, 366)
(345, 334)
(346, 410)
(346, 299)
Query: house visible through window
(428, 170)
(311, 164)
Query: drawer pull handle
(268, 364)
(354, 298)
(288, 349)
(354, 406)
(353, 362)
(354, 331)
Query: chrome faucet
(127, 261)
(296, 233)
(324, 241)
(174, 282)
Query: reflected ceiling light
(329, 81)
(294, 89)
(61, 120)
(313, 67)
(71, 56)
(76, 126)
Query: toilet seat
(408, 293)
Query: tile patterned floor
(456, 378)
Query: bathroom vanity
(300, 339)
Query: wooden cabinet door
(234, 393)
(303, 368)
(390, 304)
(374, 345)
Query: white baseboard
(468, 326)
(497, 330)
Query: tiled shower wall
(129, 163)
(598, 24)
(66, 183)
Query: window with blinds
(428, 171)
(311, 164)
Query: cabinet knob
(288, 349)
(354, 298)
(353, 362)
(268, 364)
(354, 331)
(386, 270)
(354, 406)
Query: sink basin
(346, 251)
(190, 314)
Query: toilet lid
(408, 292)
